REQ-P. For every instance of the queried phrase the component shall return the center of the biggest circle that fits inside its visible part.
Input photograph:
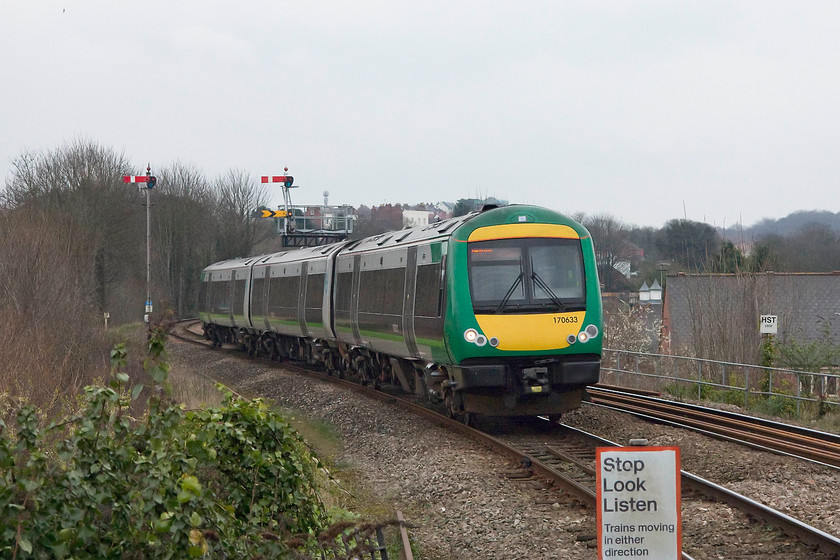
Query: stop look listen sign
(639, 502)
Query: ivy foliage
(229, 482)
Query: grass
(817, 415)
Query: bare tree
(813, 248)
(50, 344)
(610, 237)
(83, 181)
(184, 236)
(238, 197)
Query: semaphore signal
(287, 180)
(150, 180)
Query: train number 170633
(565, 319)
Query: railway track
(568, 462)
(812, 445)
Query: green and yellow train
(497, 312)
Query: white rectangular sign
(769, 324)
(639, 502)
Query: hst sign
(769, 324)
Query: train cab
(526, 334)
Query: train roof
(446, 228)
(403, 237)
(304, 253)
(290, 255)
(408, 236)
(229, 264)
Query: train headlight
(494, 341)
(591, 331)
(470, 335)
(480, 340)
(571, 339)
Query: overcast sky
(722, 112)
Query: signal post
(146, 182)
(292, 234)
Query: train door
(429, 301)
(304, 275)
(408, 301)
(354, 305)
(239, 304)
(231, 301)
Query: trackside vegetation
(233, 481)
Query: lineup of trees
(72, 202)
(73, 247)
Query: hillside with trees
(802, 242)
(793, 223)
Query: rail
(812, 445)
(748, 384)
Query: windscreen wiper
(541, 283)
(510, 292)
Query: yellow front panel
(516, 231)
(529, 333)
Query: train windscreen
(527, 275)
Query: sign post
(639, 502)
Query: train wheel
(469, 419)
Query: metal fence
(695, 376)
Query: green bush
(231, 481)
